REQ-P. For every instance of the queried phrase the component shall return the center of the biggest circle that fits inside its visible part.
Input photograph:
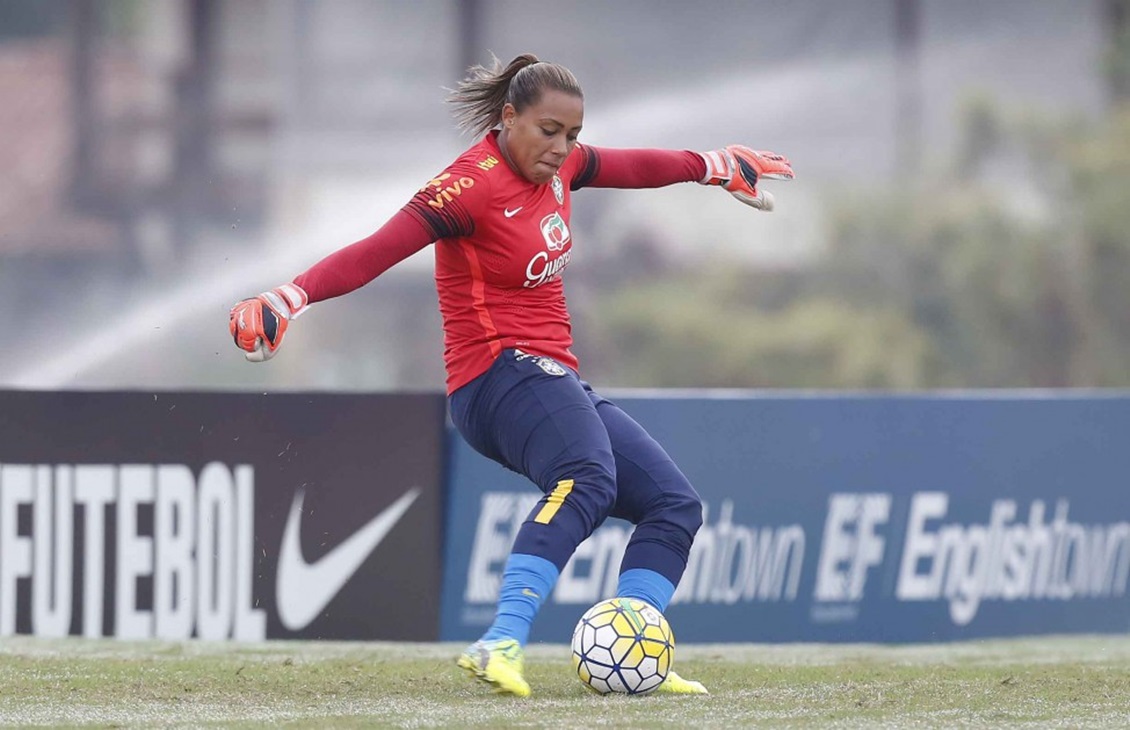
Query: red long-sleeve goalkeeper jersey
(502, 244)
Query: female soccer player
(499, 216)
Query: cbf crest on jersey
(555, 232)
(558, 190)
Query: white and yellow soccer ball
(623, 645)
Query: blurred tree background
(961, 216)
(964, 279)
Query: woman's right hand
(258, 324)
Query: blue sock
(526, 582)
(646, 585)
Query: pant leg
(653, 494)
(534, 416)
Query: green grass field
(1068, 682)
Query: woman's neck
(502, 142)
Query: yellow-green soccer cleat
(676, 685)
(498, 663)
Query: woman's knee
(592, 485)
(683, 508)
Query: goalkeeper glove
(258, 324)
(738, 169)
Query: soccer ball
(623, 645)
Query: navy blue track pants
(590, 459)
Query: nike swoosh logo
(303, 589)
(511, 213)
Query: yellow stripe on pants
(554, 502)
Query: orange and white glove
(258, 324)
(738, 169)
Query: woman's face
(537, 140)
